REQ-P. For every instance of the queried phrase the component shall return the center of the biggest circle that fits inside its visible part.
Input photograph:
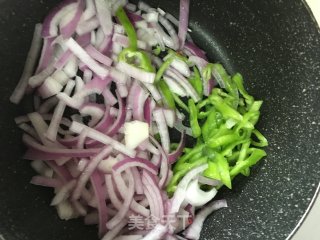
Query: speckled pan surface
(274, 43)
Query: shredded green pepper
(128, 27)
(166, 93)
(224, 128)
(137, 58)
(196, 130)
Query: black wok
(274, 44)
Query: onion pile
(93, 136)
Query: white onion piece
(58, 113)
(134, 72)
(49, 88)
(63, 193)
(159, 117)
(33, 54)
(193, 232)
(98, 136)
(87, 26)
(181, 66)
(175, 86)
(71, 68)
(180, 193)
(66, 211)
(170, 116)
(61, 77)
(135, 133)
(156, 233)
(197, 197)
(103, 9)
(90, 10)
(85, 58)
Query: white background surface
(310, 229)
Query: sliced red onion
(209, 181)
(193, 232)
(39, 78)
(157, 232)
(79, 84)
(88, 26)
(53, 153)
(181, 67)
(115, 231)
(195, 50)
(153, 90)
(112, 192)
(183, 21)
(63, 193)
(58, 113)
(117, 28)
(164, 168)
(118, 123)
(124, 41)
(138, 181)
(61, 171)
(106, 165)
(174, 86)
(90, 10)
(63, 59)
(170, 29)
(180, 193)
(72, 67)
(197, 197)
(153, 187)
(135, 162)
(137, 99)
(61, 77)
(103, 9)
(159, 118)
(109, 98)
(29, 130)
(69, 22)
(86, 59)
(94, 110)
(100, 194)
(128, 194)
(170, 116)
(46, 54)
(95, 54)
(136, 73)
(66, 211)
(30, 64)
(173, 156)
(100, 137)
(51, 22)
(129, 237)
(83, 179)
(184, 83)
(147, 110)
(46, 182)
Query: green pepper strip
(137, 58)
(238, 80)
(163, 68)
(196, 130)
(167, 95)
(219, 169)
(255, 156)
(225, 109)
(179, 102)
(128, 27)
(178, 175)
(263, 142)
(196, 81)
(210, 123)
